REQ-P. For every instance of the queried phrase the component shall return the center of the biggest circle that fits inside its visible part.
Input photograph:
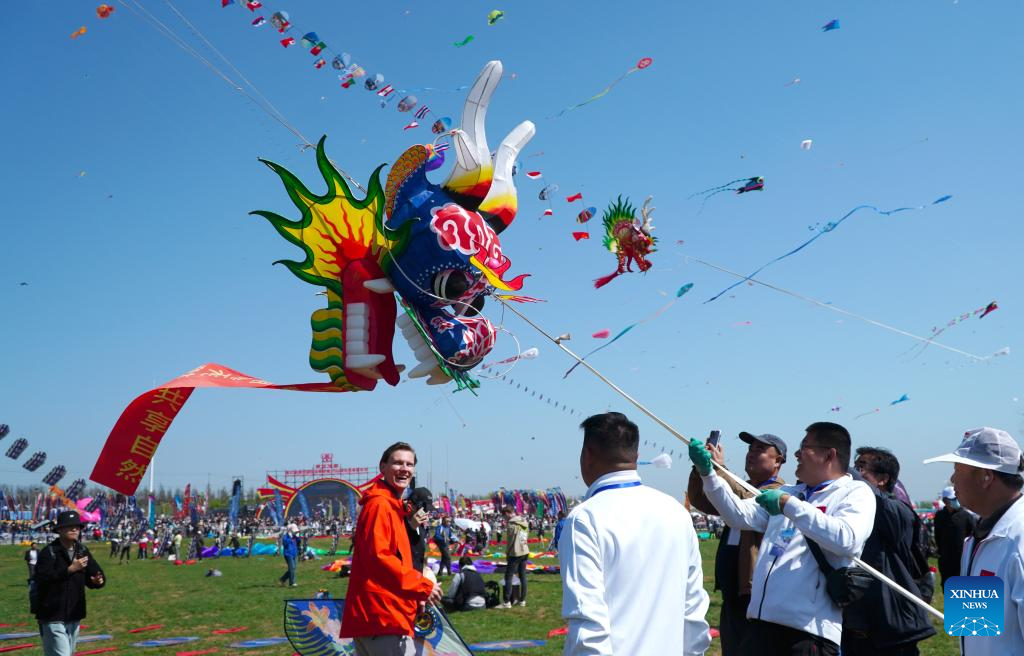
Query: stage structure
(326, 490)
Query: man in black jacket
(883, 623)
(952, 526)
(64, 570)
(419, 504)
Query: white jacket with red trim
(788, 586)
(1000, 554)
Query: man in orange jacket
(384, 591)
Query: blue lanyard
(615, 485)
(768, 482)
(810, 491)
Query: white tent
(470, 524)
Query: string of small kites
(37, 460)
(349, 72)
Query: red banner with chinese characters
(137, 433)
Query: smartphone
(714, 438)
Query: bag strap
(815, 550)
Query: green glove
(701, 457)
(769, 500)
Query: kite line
(262, 102)
(557, 341)
(827, 228)
(829, 306)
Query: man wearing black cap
(790, 611)
(64, 570)
(737, 549)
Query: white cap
(948, 492)
(987, 448)
(293, 528)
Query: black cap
(421, 498)
(68, 518)
(767, 438)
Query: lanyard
(768, 482)
(615, 486)
(810, 491)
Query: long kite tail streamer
(745, 184)
(728, 186)
(603, 346)
(133, 441)
(679, 294)
(980, 312)
(640, 65)
(829, 227)
(557, 341)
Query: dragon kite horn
(471, 177)
(499, 206)
(646, 213)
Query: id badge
(779, 546)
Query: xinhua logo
(974, 606)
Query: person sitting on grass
(467, 590)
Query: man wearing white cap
(987, 480)
(952, 526)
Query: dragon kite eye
(450, 284)
(474, 307)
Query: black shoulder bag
(845, 585)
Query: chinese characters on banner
(327, 470)
(136, 435)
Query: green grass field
(188, 603)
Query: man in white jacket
(987, 478)
(631, 573)
(790, 610)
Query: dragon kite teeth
(409, 254)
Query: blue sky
(149, 264)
